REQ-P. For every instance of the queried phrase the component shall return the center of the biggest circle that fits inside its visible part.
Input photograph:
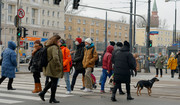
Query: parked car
(25, 59)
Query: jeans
(105, 74)
(101, 78)
(66, 78)
(76, 73)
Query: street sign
(21, 13)
(21, 43)
(16, 21)
(154, 32)
(31, 44)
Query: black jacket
(78, 58)
(123, 62)
(178, 58)
(34, 66)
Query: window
(34, 33)
(64, 35)
(11, 30)
(10, 9)
(12, 38)
(126, 35)
(43, 12)
(33, 0)
(70, 36)
(10, 18)
(53, 23)
(115, 33)
(84, 30)
(97, 39)
(70, 28)
(79, 21)
(64, 27)
(33, 21)
(97, 23)
(97, 32)
(2, 17)
(48, 13)
(33, 12)
(57, 24)
(58, 14)
(79, 29)
(53, 13)
(70, 19)
(120, 27)
(2, 5)
(64, 19)
(92, 23)
(45, 34)
(126, 28)
(26, 19)
(84, 21)
(109, 25)
(115, 25)
(119, 33)
(43, 22)
(92, 30)
(27, 9)
(48, 22)
(109, 32)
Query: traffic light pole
(0, 21)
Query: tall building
(164, 38)
(42, 18)
(154, 16)
(84, 27)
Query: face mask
(86, 45)
(76, 43)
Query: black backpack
(43, 62)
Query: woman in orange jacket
(66, 64)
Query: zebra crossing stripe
(5, 101)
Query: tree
(68, 7)
(163, 23)
(123, 19)
(140, 22)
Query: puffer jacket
(123, 62)
(34, 67)
(66, 58)
(107, 64)
(55, 64)
(90, 57)
(172, 63)
(9, 62)
(78, 58)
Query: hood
(110, 49)
(11, 45)
(125, 49)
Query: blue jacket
(9, 61)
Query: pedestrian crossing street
(24, 85)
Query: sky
(166, 10)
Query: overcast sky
(165, 9)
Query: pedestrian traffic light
(19, 32)
(26, 46)
(57, 2)
(25, 32)
(150, 43)
(76, 4)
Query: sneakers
(87, 90)
(68, 92)
(82, 88)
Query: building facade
(164, 38)
(84, 27)
(42, 18)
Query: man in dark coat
(77, 62)
(178, 58)
(123, 62)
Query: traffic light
(19, 32)
(25, 32)
(76, 4)
(26, 46)
(57, 2)
(150, 43)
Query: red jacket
(107, 64)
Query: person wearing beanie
(123, 62)
(89, 59)
(119, 44)
(36, 70)
(112, 43)
(178, 61)
(77, 62)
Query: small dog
(145, 83)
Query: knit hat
(79, 40)
(88, 40)
(126, 43)
(119, 44)
(112, 43)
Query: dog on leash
(147, 84)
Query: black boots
(121, 93)
(41, 94)
(53, 101)
(129, 97)
(113, 97)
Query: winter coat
(9, 62)
(34, 67)
(178, 58)
(90, 57)
(107, 64)
(123, 62)
(55, 64)
(78, 58)
(66, 59)
(172, 63)
(159, 62)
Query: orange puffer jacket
(66, 59)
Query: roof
(154, 6)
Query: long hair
(54, 39)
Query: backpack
(97, 61)
(43, 62)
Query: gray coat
(160, 62)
